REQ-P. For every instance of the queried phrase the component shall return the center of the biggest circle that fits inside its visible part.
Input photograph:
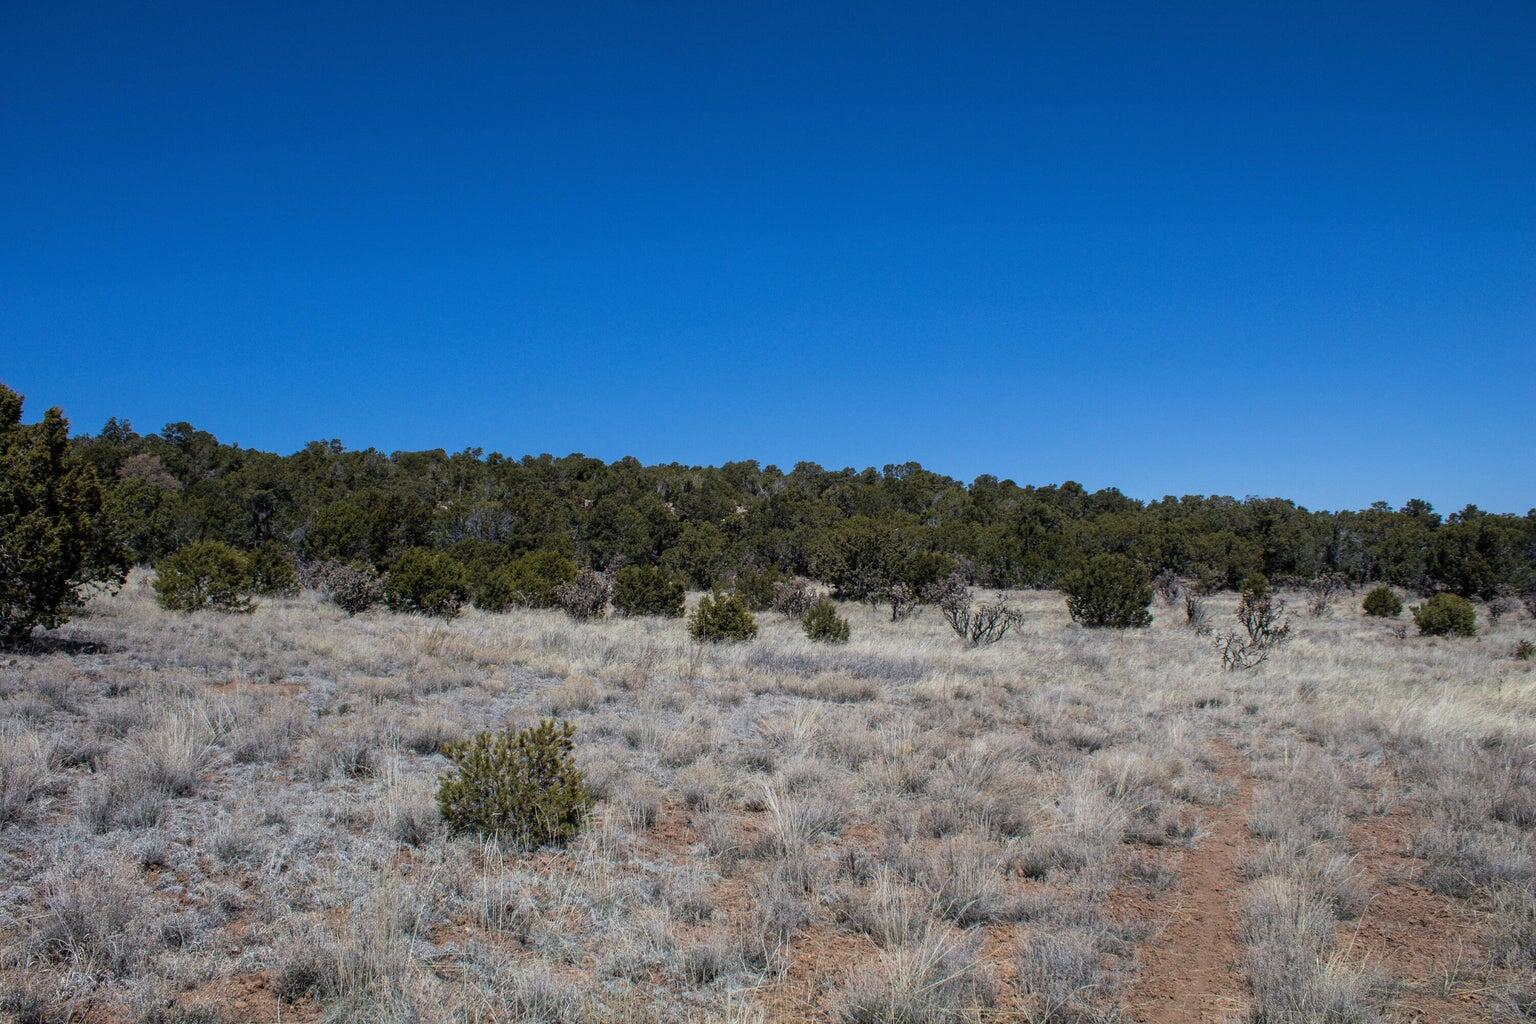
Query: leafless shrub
(980, 625)
(1323, 590)
(1266, 627)
(1167, 588)
(585, 597)
(952, 589)
(1196, 616)
(1529, 600)
(794, 596)
(1498, 607)
(902, 598)
(352, 588)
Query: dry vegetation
(232, 818)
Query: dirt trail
(1191, 972)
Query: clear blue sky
(1279, 249)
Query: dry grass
(899, 829)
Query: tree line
(858, 531)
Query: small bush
(522, 786)
(794, 596)
(207, 574)
(585, 597)
(1266, 627)
(272, 572)
(1524, 650)
(426, 582)
(352, 588)
(1254, 585)
(978, 625)
(823, 625)
(644, 590)
(1383, 602)
(533, 579)
(1445, 615)
(1111, 590)
(722, 618)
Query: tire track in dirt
(1191, 971)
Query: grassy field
(232, 818)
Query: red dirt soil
(1417, 936)
(1191, 972)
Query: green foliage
(523, 787)
(645, 590)
(823, 625)
(427, 582)
(925, 570)
(1382, 602)
(722, 618)
(207, 574)
(1254, 586)
(532, 579)
(1110, 590)
(56, 537)
(755, 587)
(1445, 615)
(272, 572)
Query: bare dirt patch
(1424, 940)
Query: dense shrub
(645, 590)
(1254, 585)
(272, 573)
(426, 582)
(534, 578)
(56, 537)
(1383, 602)
(755, 587)
(794, 596)
(722, 618)
(491, 588)
(1111, 590)
(823, 625)
(523, 787)
(206, 574)
(352, 588)
(1445, 615)
(585, 597)
(924, 570)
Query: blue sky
(1281, 249)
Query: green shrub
(644, 590)
(755, 587)
(522, 786)
(1110, 590)
(1383, 602)
(272, 572)
(426, 582)
(1445, 615)
(823, 625)
(1254, 586)
(492, 589)
(722, 618)
(534, 577)
(925, 570)
(206, 574)
(57, 538)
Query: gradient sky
(1278, 249)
